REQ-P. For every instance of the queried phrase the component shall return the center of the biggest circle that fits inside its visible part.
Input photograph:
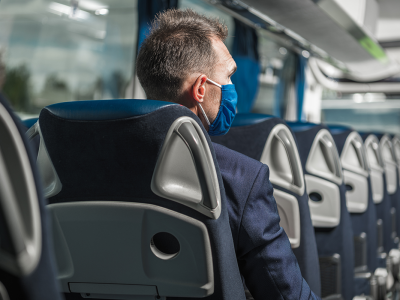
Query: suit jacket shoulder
(239, 172)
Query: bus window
(61, 50)
(277, 63)
(364, 112)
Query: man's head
(182, 50)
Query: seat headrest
(101, 110)
(29, 122)
(249, 119)
(338, 129)
(301, 126)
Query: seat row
(136, 206)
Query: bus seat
(396, 153)
(28, 123)
(380, 192)
(359, 201)
(27, 271)
(139, 210)
(324, 183)
(268, 139)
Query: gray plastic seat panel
(19, 201)
(389, 163)
(280, 154)
(109, 243)
(357, 198)
(355, 173)
(323, 162)
(376, 168)
(323, 159)
(396, 150)
(50, 180)
(326, 212)
(185, 170)
(288, 209)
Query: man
(184, 60)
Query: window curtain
(283, 94)
(290, 91)
(301, 86)
(147, 9)
(245, 53)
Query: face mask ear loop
(204, 114)
(214, 83)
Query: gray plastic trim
(323, 159)
(390, 164)
(355, 173)
(357, 198)
(325, 213)
(18, 200)
(288, 209)
(376, 170)
(396, 150)
(101, 245)
(50, 180)
(354, 156)
(282, 157)
(185, 171)
(3, 292)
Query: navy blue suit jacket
(266, 260)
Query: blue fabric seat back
(362, 222)
(248, 135)
(107, 150)
(339, 239)
(40, 281)
(383, 210)
(396, 150)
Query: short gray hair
(178, 45)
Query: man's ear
(199, 88)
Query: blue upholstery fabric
(330, 240)
(102, 110)
(41, 283)
(250, 140)
(29, 122)
(147, 9)
(249, 119)
(114, 160)
(366, 221)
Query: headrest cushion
(249, 119)
(301, 126)
(101, 110)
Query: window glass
(61, 50)
(364, 112)
(276, 64)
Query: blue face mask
(227, 110)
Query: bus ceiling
(328, 29)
